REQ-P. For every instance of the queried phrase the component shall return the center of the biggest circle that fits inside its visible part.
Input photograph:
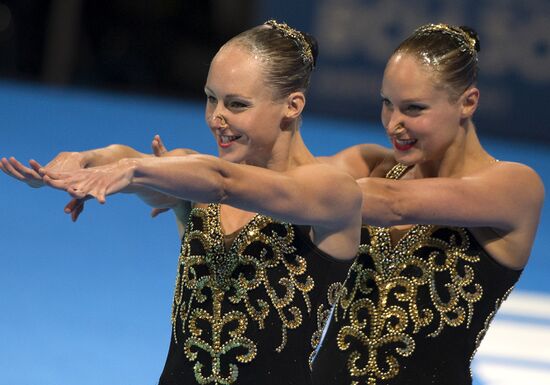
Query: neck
(463, 156)
(290, 152)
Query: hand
(75, 208)
(159, 149)
(64, 161)
(94, 182)
(17, 170)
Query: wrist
(130, 166)
(86, 158)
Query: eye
(414, 109)
(237, 104)
(210, 99)
(386, 102)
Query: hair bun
(472, 34)
(312, 41)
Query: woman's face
(235, 90)
(418, 116)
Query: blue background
(89, 303)
(356, 37)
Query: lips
(403, 144)
(226, 140)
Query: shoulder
(360, 160)
(516, 188)
(323, 174)
(321, 171)
(331, 185)
(514, 176)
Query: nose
(218, 121)
(395, 124)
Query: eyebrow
(206, 89)
(413, 101)
(406, 101)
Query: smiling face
(419, 116)
(236, 90)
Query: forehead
(407, 77)
(236, 70)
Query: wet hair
(450, 51)
(288, 55)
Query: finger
(159, 148)
(101, 198)
(3, 168)
(157, 211)
(27, 172)
(44, 171)
(75, 214)
(157, 151)
(8, 168)
(59, 184)
(75, 207)
(77, 210)
(72, 205)
(161, 144)
(35, 165)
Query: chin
(229, 156)
(406, 159)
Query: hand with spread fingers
(64, 161)
(94, 182)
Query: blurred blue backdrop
(89, 303)
(356, 37)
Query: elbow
(219, 193)
(221, 184)
(382, 206)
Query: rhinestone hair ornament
(466, 43)
(297, 37)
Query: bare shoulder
(360, 160)
(516, 177)
(518, 188)
(330, 184)
(517, 194)
(322, 174)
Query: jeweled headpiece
(297, 37)
(465, 42)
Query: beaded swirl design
(220, 293)
(380, 304)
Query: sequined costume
(250, 313)
(413, 313)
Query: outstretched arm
(66, 161)
(70, 161)
(303, 195)
(505, 197)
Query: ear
(468, 102)
(295, 104)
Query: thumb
(159, 148)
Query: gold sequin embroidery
(380, 306)
(219, 277)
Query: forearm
(380, 203)
(109, 154)
(193, 178)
